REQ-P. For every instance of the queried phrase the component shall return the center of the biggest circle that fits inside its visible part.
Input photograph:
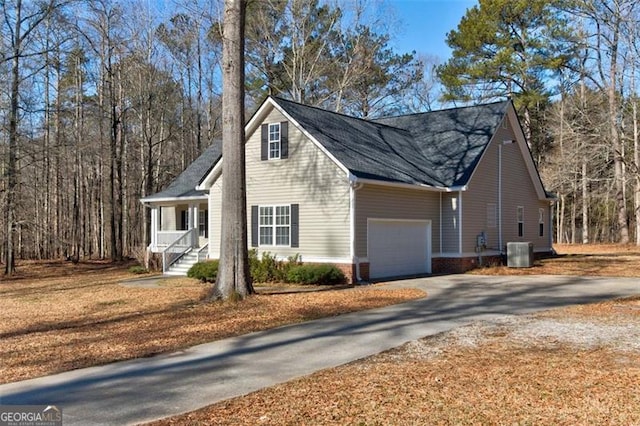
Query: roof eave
(148, 200)
(415, 186)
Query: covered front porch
(179, 231)
(187, 223)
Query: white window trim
(274, 226)
(274, 141)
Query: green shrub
(262, 270)
(254, 263)
(137, 269)
(268, 268)
(286, 267)
(315, 274)
(204, 271)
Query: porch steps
(182, 266)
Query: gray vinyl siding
(518, 189)
(309, 178)
(383, 202)
(483, 190)
(450, 223)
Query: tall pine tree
(509, 48)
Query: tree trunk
(234, 280)
(12, 160)
(560, 213)
(636, 160)
(585, 203)
(618, 158)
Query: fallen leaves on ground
(485, 373)
(608, 260)
(79, 316)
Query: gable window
(541, 222)
(274, 141)
(274, 225)
(520, 215)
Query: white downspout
(154, 227)
(354, 185)
(441, 224)
(500, 197)
(460, 222)
(551, 230)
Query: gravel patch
(530, 331)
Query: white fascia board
(176, 200)
(211, 177)
(418, 186)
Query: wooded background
(106, 101)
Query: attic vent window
(274, 141)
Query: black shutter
(295, 229)
(284, 139)
(264, 142)
(254, 226)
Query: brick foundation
(348, 269)
(439, 265)
(459, 265)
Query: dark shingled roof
(439, 148)
(452, 141)
(185, 184)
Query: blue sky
(425, 24)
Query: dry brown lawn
(57, 316)
(577, 259)
(578, 365)
(574, 366)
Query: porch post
(193, 221)
(154, 227)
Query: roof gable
(451, 142)
(438, 149)
(184, 186)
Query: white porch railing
(185, 242)
(202, 252)
(166, 238)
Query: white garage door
(399, 247)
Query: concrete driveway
(141, 390)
